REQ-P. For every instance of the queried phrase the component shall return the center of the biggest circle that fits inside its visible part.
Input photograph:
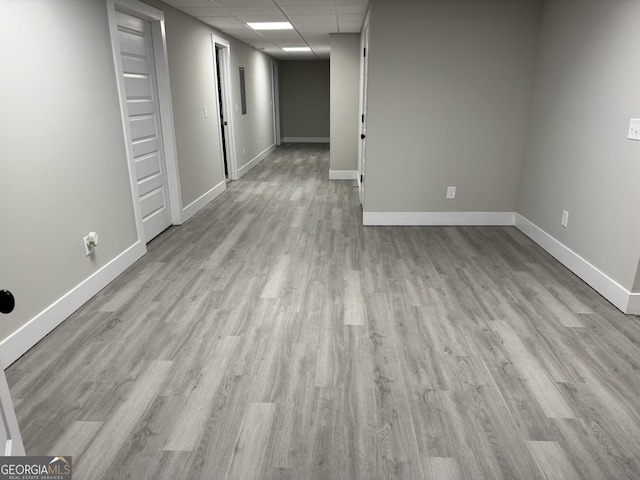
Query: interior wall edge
(602, 283)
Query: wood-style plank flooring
(273, 336)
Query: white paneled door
(141, 90)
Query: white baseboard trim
(343, 175)
(633, 307)
(255, 161)
(20, 341)
(596, 278)
(438, 218)
(306, 139)
(197, 205)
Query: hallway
(272, 336)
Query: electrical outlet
(90, 242)
(565, 218)
(634, 129)
(206, 113)
(451, 192)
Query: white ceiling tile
(317, 27)
(221, 22)
(293, 3)
(313, 21)
(309, 10)
(253, 10)
(350, 18)
(189, 3)
(243, 3)
(205, 11)
(296, 19)
(316, 38)
(262, 18)
(287, 36)
(351, 28)
(352, 9)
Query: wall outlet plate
(634, 129)
(88, 249)
(565, 218)
(451, 192)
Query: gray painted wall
(577, 156)
(254, 131)
(193, 86)
(64, 169)
(305, 98)
(345, 92)
(449, 92)
(191, 68)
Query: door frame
(159, 39)
(364, 69)
(275, 99)
(225, 74)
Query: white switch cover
(206, 114)
(565, 218)
(451, 192)
(634, 129)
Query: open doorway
(223, 114)
(221, 54)
(275, 101)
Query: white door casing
(221, 47)
(364, 80)
(129, 19)
(143, 108)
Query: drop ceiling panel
(263, 18)
(352, 9)
(350, 29)
(290, 3)
(244, 3)
(189, 3)
(295, 19)
(317, 27)
(309, 10)
(287, 36)
(313, 21)
(255, 11)
(205, 11)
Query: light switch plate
(451, 192)
(634, 129)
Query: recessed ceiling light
(296, 49)
(271, 25)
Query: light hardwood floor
(273, 336)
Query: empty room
(320, 239)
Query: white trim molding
(306, 139)
(633, 307)
(438, 218)
(343, 174)
(255, 161)
(20, 341)
(158, 35)
(598, 280)
(201, 202)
